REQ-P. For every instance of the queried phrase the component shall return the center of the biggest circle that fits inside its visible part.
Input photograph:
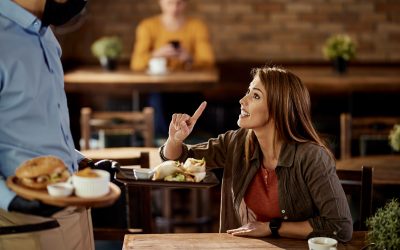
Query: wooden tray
(43, 196)
(126, 176)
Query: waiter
(34, 121)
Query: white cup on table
(157, 66)
(322, 243)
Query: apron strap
(29, 227)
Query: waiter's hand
(182, 124)
(34, 207)
(107, 165)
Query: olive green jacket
(308, 186)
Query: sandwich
(196, 168)
(165, 169)
(192, 170)
(39, 172)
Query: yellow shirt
(193, 36)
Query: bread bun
(31, 183)
(38, 172)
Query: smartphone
(176, 44)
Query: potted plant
(340, 49)
(107, 50)
(394, 138)
(384, 227)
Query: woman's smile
(243, 113)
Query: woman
(279, 176)
(184, 43)
(182, 40)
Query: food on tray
(87, 172)
(194, 165)
(193, 170)
(91, 185)
(41, 171)
(166, 168)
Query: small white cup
(322, 243)
(158, 66)
(92, 187)
(61, 189)
(143, 173)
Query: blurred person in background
(35, 122)
(279, 177)
(183, 41)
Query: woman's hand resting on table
(252, 229)
(182, 125)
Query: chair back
(357, 185)
(363, 129)
(141, 122)
(133, 208)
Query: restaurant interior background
(250, 33)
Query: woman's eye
(256, 96)
(248, 91)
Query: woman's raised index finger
(199, 111)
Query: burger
(41, 171)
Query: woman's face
(173, 8)
(254, 107)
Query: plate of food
(189, 174)
(46, 178)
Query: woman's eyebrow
(258, 90)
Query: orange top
(151, 34)
(262, 195)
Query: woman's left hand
(252, 229)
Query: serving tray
(126, 176)
(43, 196)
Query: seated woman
(279, 176)
(182, 40)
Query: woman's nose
(242, 100)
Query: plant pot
(109, 64)
(340, 65)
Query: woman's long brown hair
(289, 106)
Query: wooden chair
(358, 184)
(363, 129)
(133, 208)
(131, 122)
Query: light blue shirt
(34, 118)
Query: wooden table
(323, 80)
(94, 79)
(123, 153)
(386, 167)
(222, 241)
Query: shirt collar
(286, 157)
(19, 15)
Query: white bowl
(92, 187)
(322, 243)
(61, 189)
(143, 173)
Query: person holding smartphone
(177, 41)
(182, 40)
